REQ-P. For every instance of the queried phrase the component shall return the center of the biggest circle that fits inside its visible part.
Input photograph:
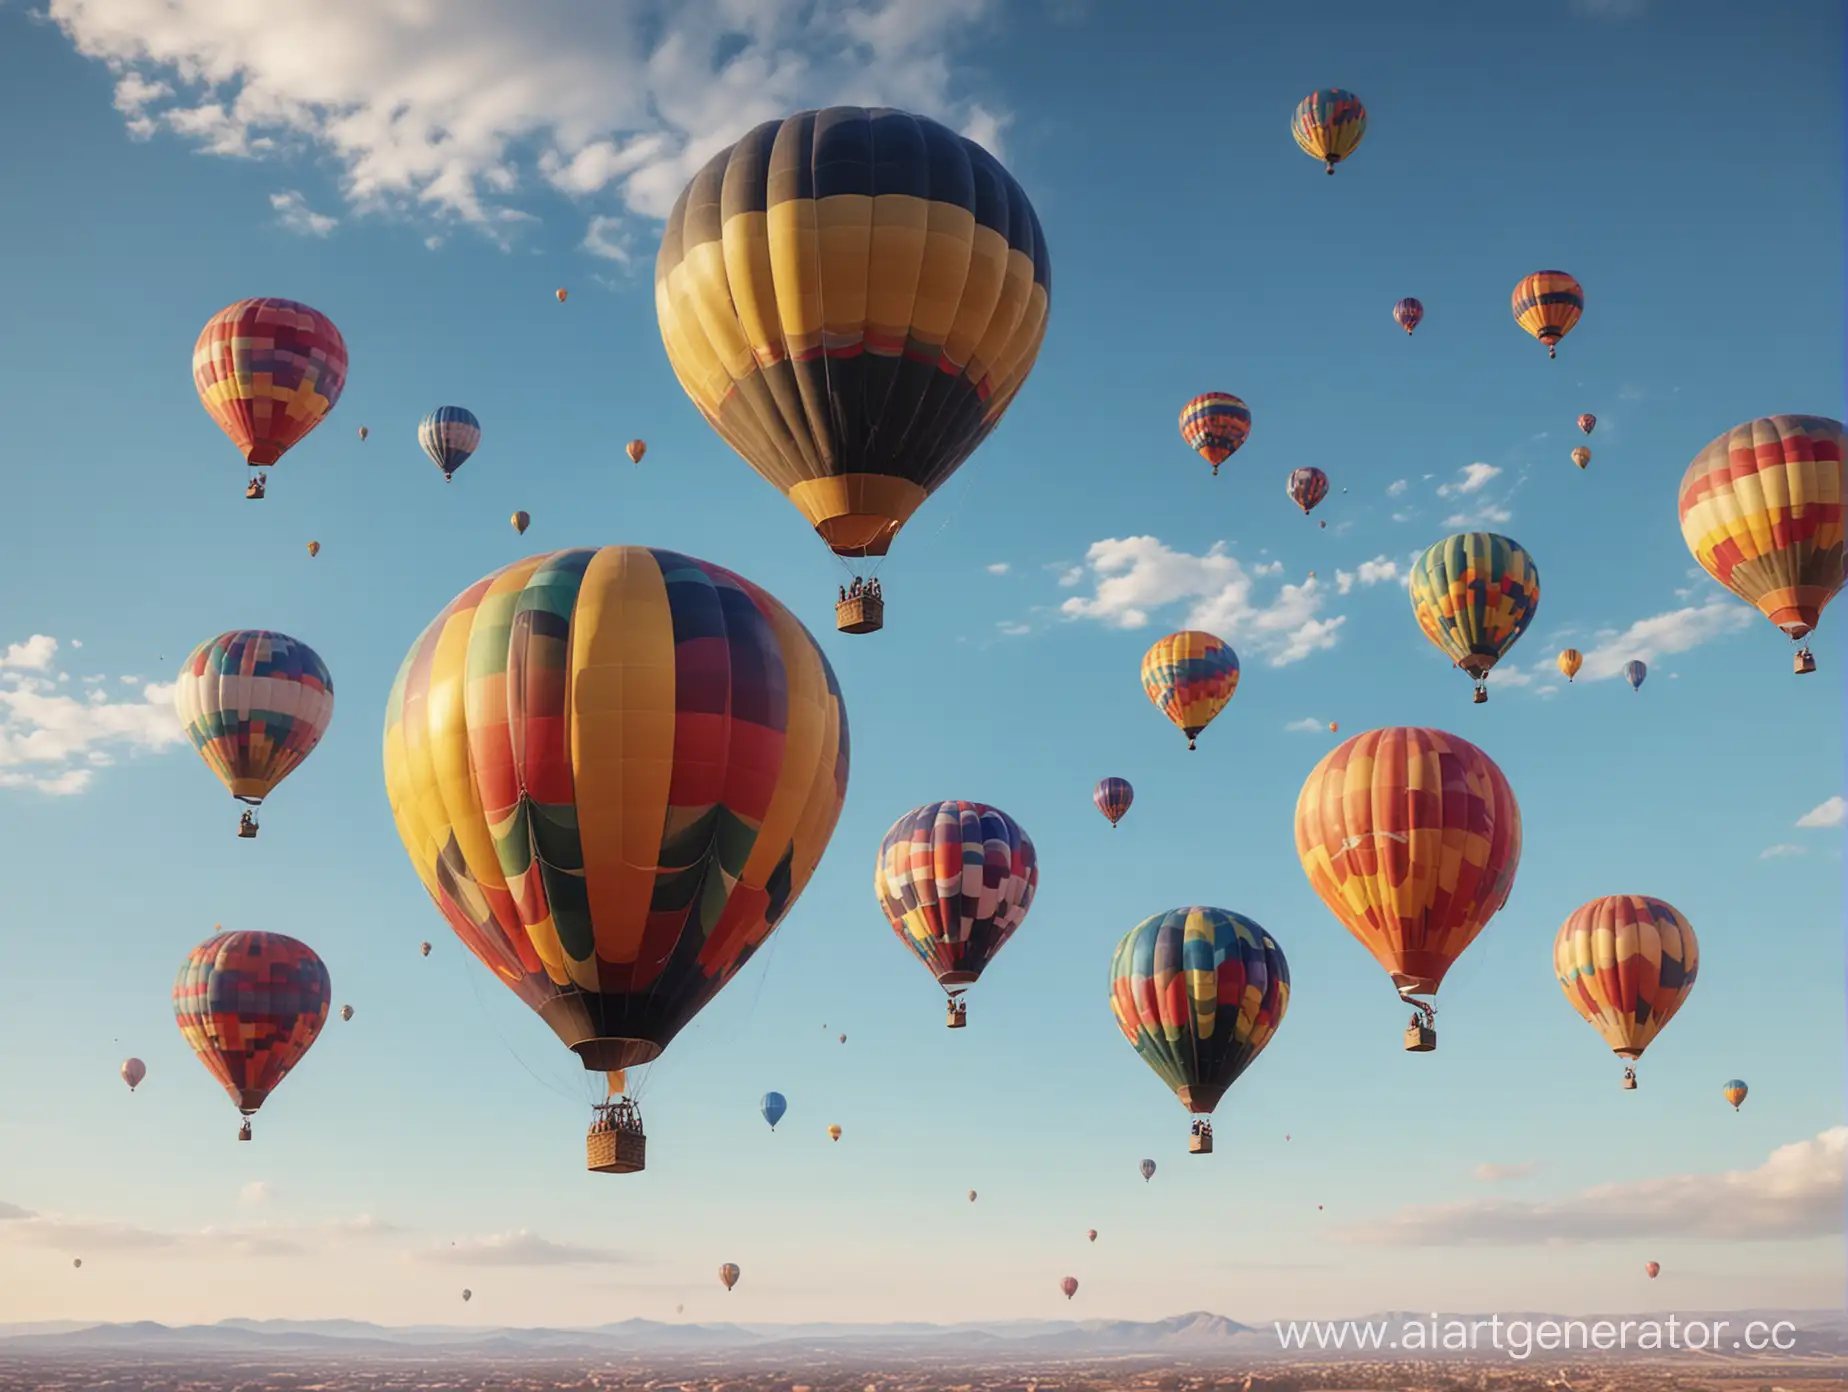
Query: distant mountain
(1197, 1334)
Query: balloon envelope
(1198, 993)
(1412, 838)
(773, 1106)
(268, 371)
(251, 1005)
(1570, 660)
(1214, 425)
(615, 893)
(852, 298)
(1407, 314)
(1307, 487)
(1734, 1092)
(1547, 304)
(1626, 963)
(1329, 124)
(635, 449)
(1070, 1286)
(254, 704)
(1474, 594)
(1190, 676)
(1634, 672)
(1147, 1167)
(1581, 456)
(449, 435)
(1588, 422)
(729, 1274)
(133, 1071)
(955, 880)
(1654, 1269)
(1761, 511)
(1113, 797)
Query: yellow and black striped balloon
(853, 297)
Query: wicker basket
(1804, 663)
(1420, 1039)
(957, 1019)
(1200, 1143)
(616, 1152)
(863, 613)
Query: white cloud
(984, 127)
(605, 239)
(1071, 577)
(1135, 575)
(1484, 514)
(256, 1193)
(455, 110)
(23, 1227)
(294, 214)
(1015, 630)
(1396, 487)
(54, 743)
(1501, 1174)
(1831, 813)
(1471, 478)
(999, 568)
(1795, 1194)
(522, 1248)
(1402, 517)
(1781, 850)
(1662, 634)
(1308, 725)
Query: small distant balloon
(972, 1196)
(521, 521)
(314, 549)
(560, 292)
(1148, 1170)
(424, 948)
(1734, 1092)
(1334, 727)
(1070, 1286)
(636, 449)
(449, 435)
(1588, 422)
(1634, 672)
(1570, 660)
(467, 1294)
(843, 1039)
(346, 1012)
(363, 433)
(77, 1263)
(1113, 797)
(1214, 425)
(1407, 313)
(1306, 487)
(729, 1274)
(834, 1133)
(1581, 456)
(773, 1105)
(134, 1070)
(1092, 1234)
(1653, 1269)
(1328, 125)
(1547, 304)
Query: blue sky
(1648, 151)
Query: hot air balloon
(1626, 963)
(1654, 1269)
(250, 1005)
(77, 1263)
(1570, 660)
(346, 1012)
(521, 521)
(363, 433)
(1113, 797)
(1407, 314)
(1190, 676)
(1761, 509)
(1581, 456)
(1214, 425)
(635, 449)
(1333, 726)
(560, 293)
(133, 1071)
(254, 704)
(522, 815)
(853, 297)
(834, 1133)
(1148, 1170)
(449, 435)
(1070, 1286)
(1198, 993)
(1091, 1234)
(1329, 125)
(1474, 594)
(972, 1196)
(467, 1295)
(955, 879)
(1734, 1092)
(843, 1039)
(424, 948)
(268, 371)
(1547, 304)
(1588, 422)
(729, 1274)
(314, 549)
(1634, 672)
(1411, 837)
(1307, 487)
(773, 1105)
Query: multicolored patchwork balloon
(1626, 963)
(1411, 837)
(1198, 993)
(251, 1005)
(1474, 594)
(615, 770)
(1407, 313)
(254, 704)
(1214, 425)
(1588, 422)
(1307, 487)
(1761, 510)
(268, 371)
(1190, 676)
(1547, 304)
(1113, 797)
(1734, 1092)
(955, 880)
(449, 435)
(1329, 124)
(1634, 672)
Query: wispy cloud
(607, 241)
(1830, 813)
(1781, 850)
(999, 568)
(1676, 631)
(458, 119)
(1135, 576)
(522, 1248)
(79, 1236)
(294, 215)
(1471, 478)
(53, 742)
(1795, 1194)
(1308, 725)
(1501, 1174)
(1396, 488)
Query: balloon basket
(616, 1152)
(860, 614)
(1420, 1039)
(1804, 663)
(1629, 1082)
(1200, 1143)
(245, 831)
(956, 1019)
